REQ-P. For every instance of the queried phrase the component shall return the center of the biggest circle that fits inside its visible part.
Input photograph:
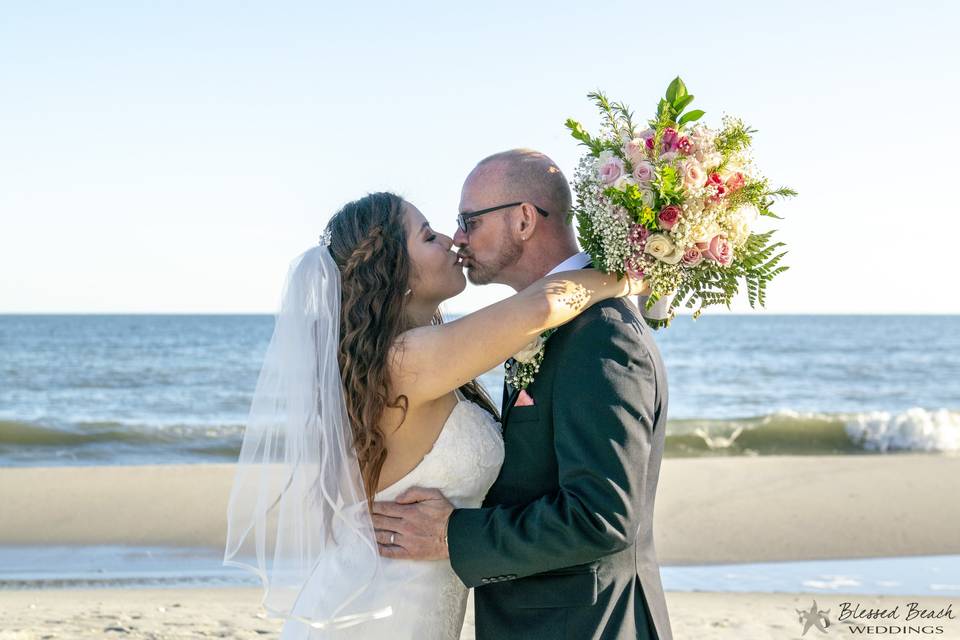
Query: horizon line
(451, 313)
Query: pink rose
(647, 137)
(718, 250)
(692, 257)
(643, 171)
(611, 170)
(735, 181)
(693, 174)
(669, 216)
(716, 183)
(684, 145)
(634, 150)
(670, 139)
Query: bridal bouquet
(676, 202)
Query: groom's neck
(537, 262)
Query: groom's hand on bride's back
(415, 526)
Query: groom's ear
(527, 221)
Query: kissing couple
(377, 481)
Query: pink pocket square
(524, 399)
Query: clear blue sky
(173, 157)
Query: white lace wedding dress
(428, 599)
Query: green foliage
(625, 115)
(618, 118)
(600, 99)
(735, 137)
(768, 197)
(670, 109)
(759, 194)
(579, 133)
(757, 263)
(690, 116)
(668, 186)
(676, 90)
(631, 199)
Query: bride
(364, 392)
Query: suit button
(484, 580)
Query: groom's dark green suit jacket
(562, 546)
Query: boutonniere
(527, 362)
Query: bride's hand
(633, 286)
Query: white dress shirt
(576, 261)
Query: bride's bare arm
(429, 362)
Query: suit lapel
(510, 402)
(509, 397)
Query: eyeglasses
(463, 217)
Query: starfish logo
(814, 618)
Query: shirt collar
(576, 261)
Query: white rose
(708, 232)
(741, 222)
(674, 256)
(624, 181)
(659, 246)
(530, 351)
(646, 195)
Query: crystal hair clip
(326, 237)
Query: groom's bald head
(515, 245)
(528, 176)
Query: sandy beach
(709, 510)
(155, 614)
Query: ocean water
(96, 566)
(139, 389)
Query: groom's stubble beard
(509, 254)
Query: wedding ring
(393, 536)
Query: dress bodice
(464, 461)
(428, 599)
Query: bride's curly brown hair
(368, 242)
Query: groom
(563, 544)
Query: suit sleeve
(604, 411)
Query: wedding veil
(297, 515)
